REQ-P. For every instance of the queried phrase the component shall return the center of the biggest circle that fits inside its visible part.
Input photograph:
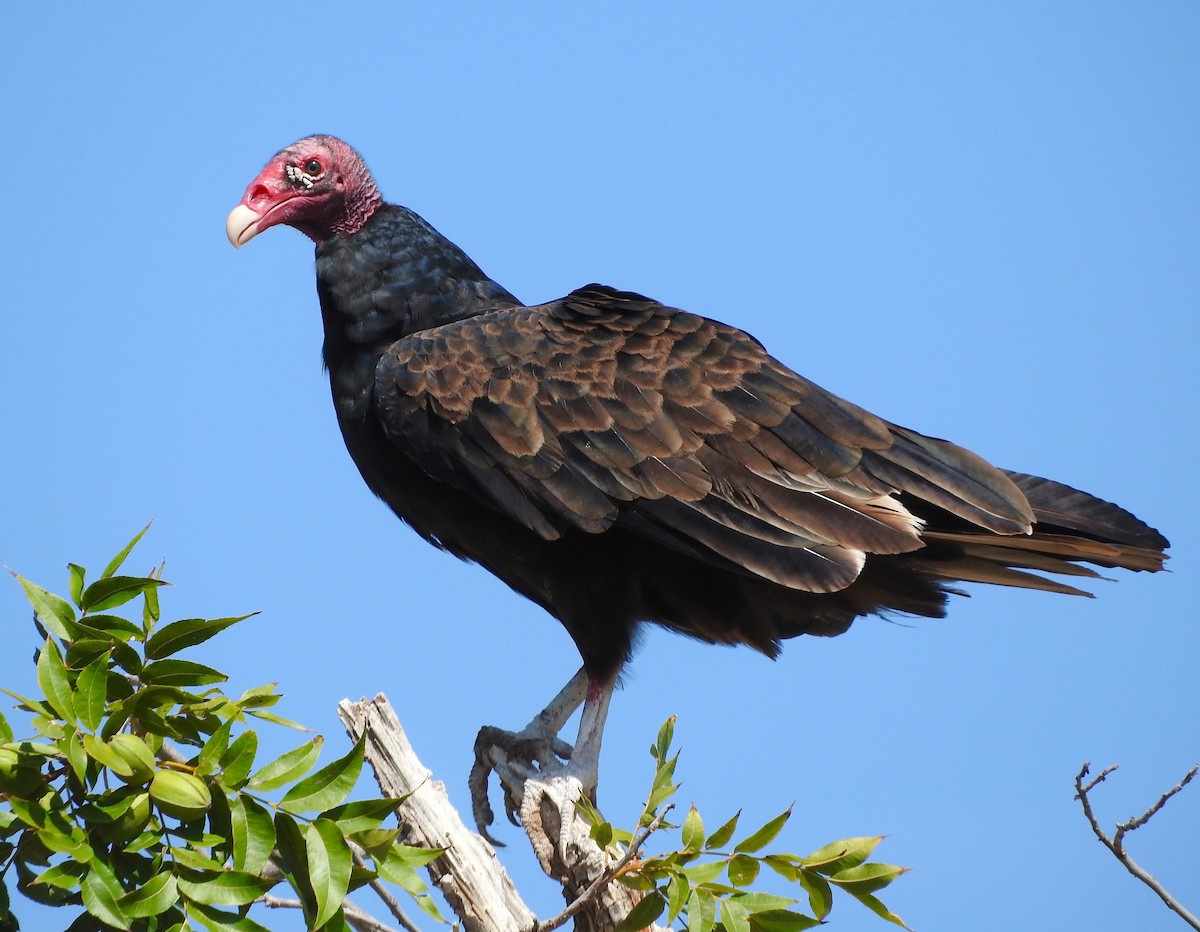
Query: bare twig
(361, 920)
(605, 878)
(1116, 844)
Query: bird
(621, 462)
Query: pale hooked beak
(242, 225)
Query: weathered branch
(469, 874)
(475, 884)
(607, 877)
(1116, 844)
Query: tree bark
(469, 874)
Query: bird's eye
(312, 167)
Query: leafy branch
(707, 879)
(135, 798)
(136, 794)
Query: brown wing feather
(607, 408)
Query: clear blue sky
(978, 220)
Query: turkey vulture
(619, 461)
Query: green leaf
(287, 767)
(275, 719)
(180, 635)
(57, 615)
(666, 734)
(704, 873)
(91, 692)
(649, 908)
(756, 901)
(872, 903)
(329, 863)
(224, 888)
(209, 758)
(866, 878)
(253, 834)
(329, 785)
(693, 830)
(219, 920)
(155, 896)
(781, 920)
(743, 870)
(101, 893)
(396, 869)
(734, 916)
(764, 835)
(237, 761)
(150, 609)
(720, 838)
(6, 732)
(52, 678)
(602, 834)
(75, 585)
(72, 746)
(415, 857)
(294, 855)
(677, 893)
(820, 896)
(785, 865)
(104, 754)
(702, 911)
(181, 673)
(362, 814)
(65, 876)
(36, 706)
(425, 901)
(83, 650)
(115, 563)
(258, 697)
(115, 590)
(839, 855)
(190, 858)
(376, 841)
(658, 796)
(109, 626)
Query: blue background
(978, 220)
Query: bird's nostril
(258, 193)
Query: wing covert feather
(607, 407)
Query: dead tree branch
(1116, 844)
(475, 884)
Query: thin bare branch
(1123, 827)
(1116, 843)
(594, 888)
(1100, 779)
(361, 920)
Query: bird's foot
(515, 757)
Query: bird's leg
(515, 755)
(584, 764)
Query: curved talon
(538, 751)
(477, 783)
(514, 756)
